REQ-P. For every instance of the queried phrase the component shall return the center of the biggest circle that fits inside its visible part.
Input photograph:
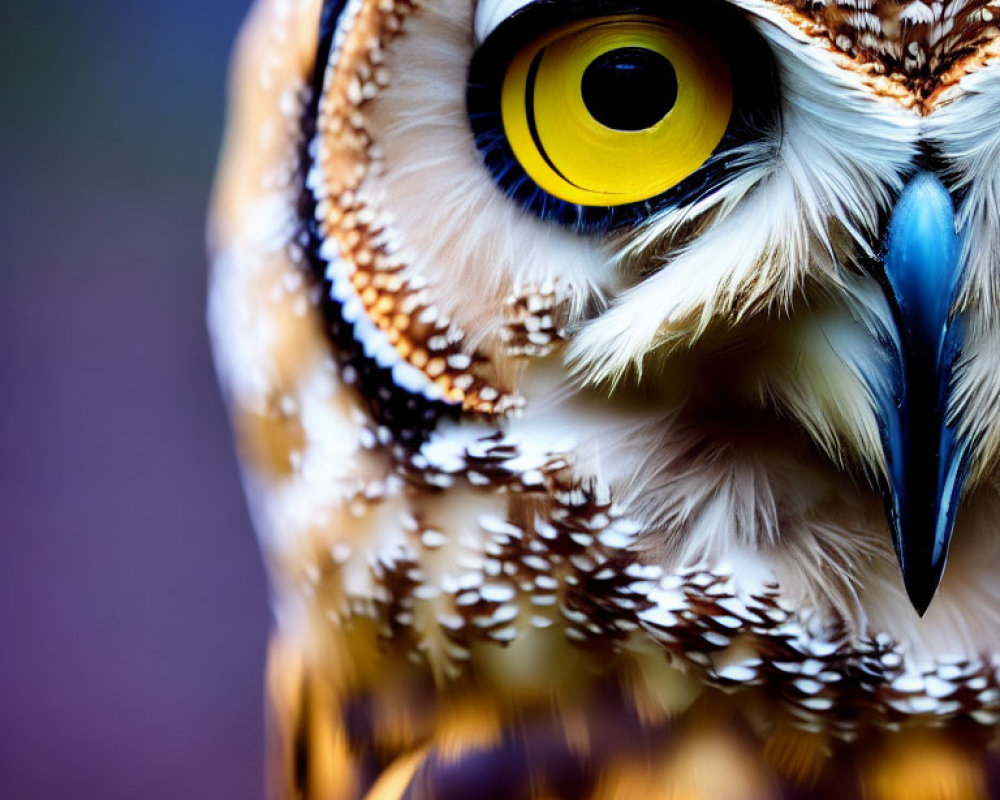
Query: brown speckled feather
(910, 49)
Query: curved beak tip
(921, 586)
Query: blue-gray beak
(927, 461)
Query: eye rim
(754, 115)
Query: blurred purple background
(133, 611)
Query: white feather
(966, 132)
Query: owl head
(559, 289)
(688, 186)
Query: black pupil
(629, 89)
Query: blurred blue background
(133, 611)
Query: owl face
(654, 322)
(634, 148)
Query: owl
(614, 381)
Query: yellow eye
(611, 111)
